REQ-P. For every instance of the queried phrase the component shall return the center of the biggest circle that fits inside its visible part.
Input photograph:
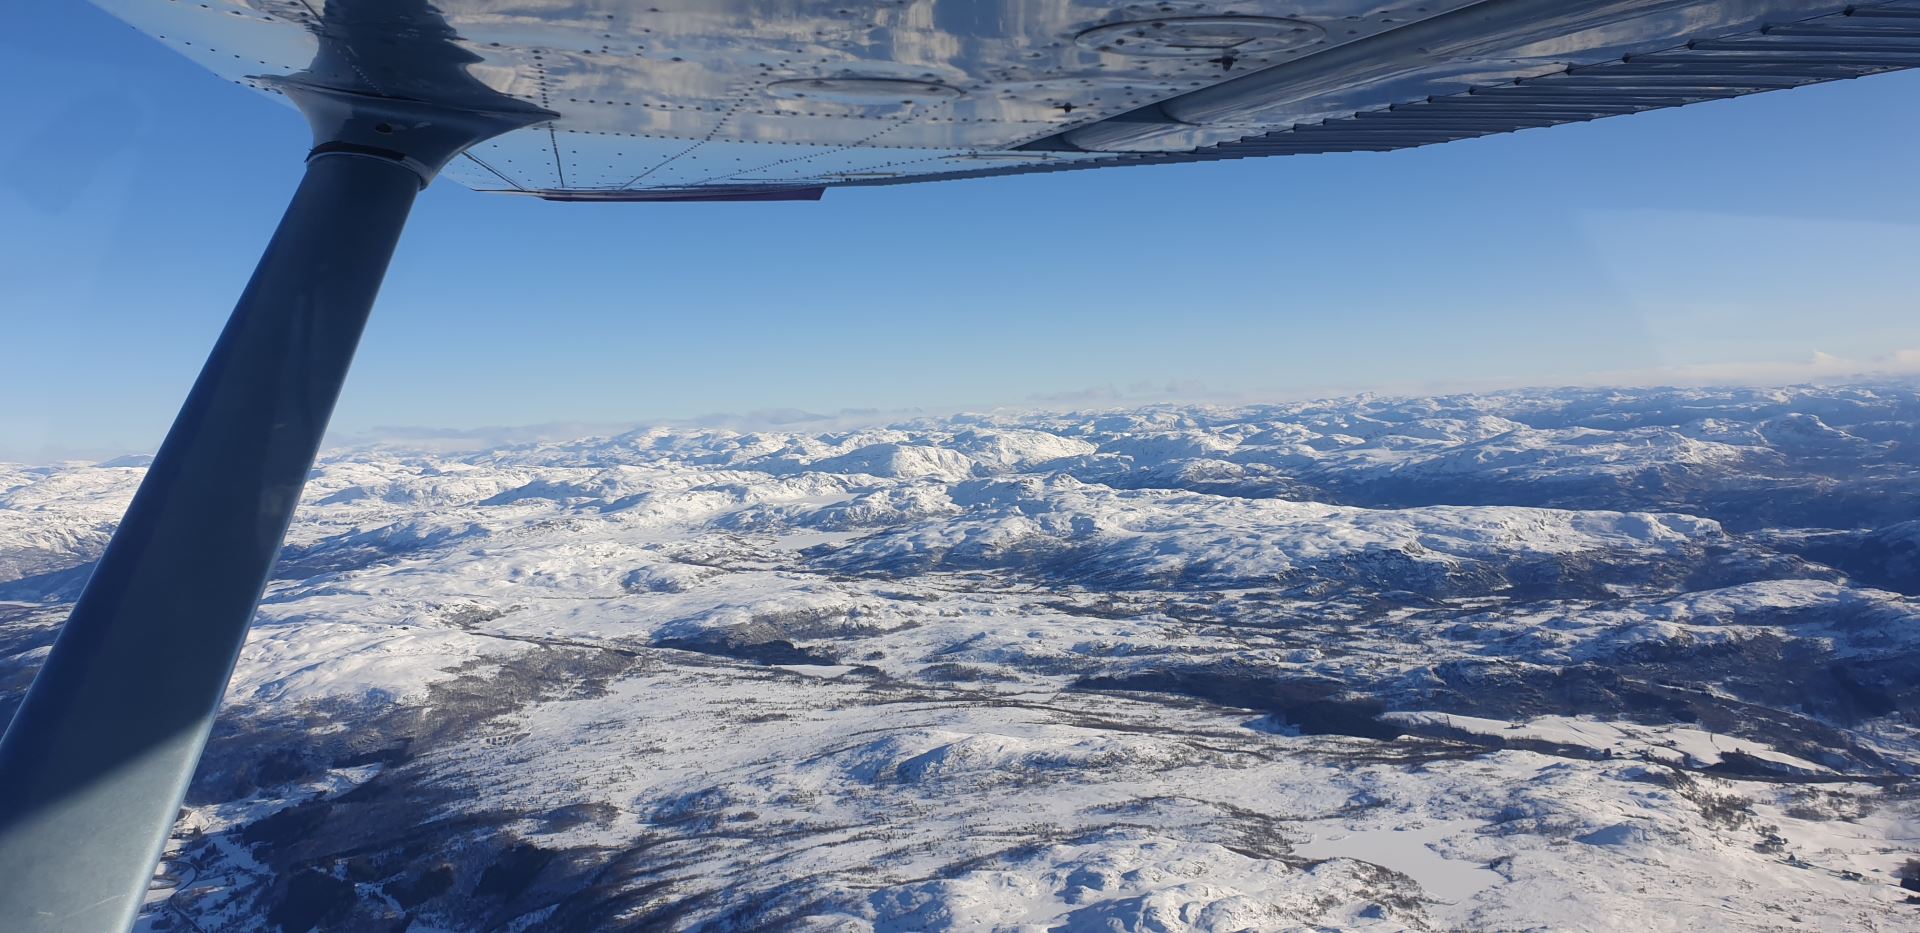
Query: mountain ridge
(1586, 658)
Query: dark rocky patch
(1314, 707)
(757, 643)
(411, 892)
(311, 899)
(512, 872)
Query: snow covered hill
(1574, 659)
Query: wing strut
(96, 761)
(98, 757)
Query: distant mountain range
(1597, 659)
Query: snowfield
(1637, 660)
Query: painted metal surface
(665, 97)
(96, 760)
(98, 757)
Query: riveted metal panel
(684, 95)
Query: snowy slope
(1574, 659)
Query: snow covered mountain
(1574, 659)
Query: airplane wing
(710, 99)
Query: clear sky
(1767, 239)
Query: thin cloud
(1819, 367)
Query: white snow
(1409, 851)
(841, 681)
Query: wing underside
(779, 100)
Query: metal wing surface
(726, 99)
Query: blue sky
(1767, 239)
